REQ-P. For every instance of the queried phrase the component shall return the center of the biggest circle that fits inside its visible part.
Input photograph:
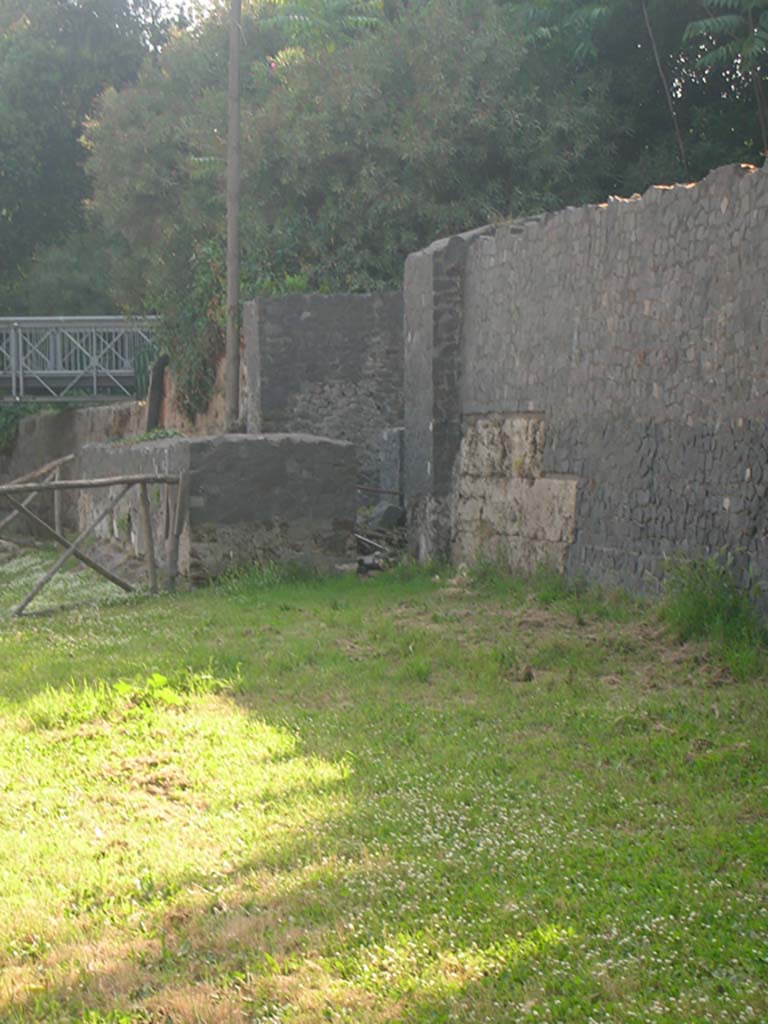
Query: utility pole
(232, 352)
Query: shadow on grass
(326, 922)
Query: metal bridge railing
(59, 358)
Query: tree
(366, 139)
(737, 39)
(56, 56)
(157, 162)
(434, 125)
(651, 68)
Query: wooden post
(57, 504)
(232, 354)
(79, 555)
(76, 485)
(146, 513)
(71, 548)
(45, 470)
(179, 518)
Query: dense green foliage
(371, 128)
(56, 57)
(10, 417)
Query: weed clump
(705, 600)
(554, 590)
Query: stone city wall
(619, 352)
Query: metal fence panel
(75, 357)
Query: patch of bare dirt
(356, 651)
(155, 774)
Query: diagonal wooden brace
(7, 520)
(71, 549)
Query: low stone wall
(326, 365)
(124, 526)
(45, 436)
(253, 498)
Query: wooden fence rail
(76, 485)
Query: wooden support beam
(85, 559)
(179, 518)
(57, 503)
(7, 520)
(149, 539)
(70, 550)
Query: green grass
(705, 600)
(407, 799)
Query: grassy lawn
(404, 799)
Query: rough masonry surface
(253, 499)
(330, 365)
(637, 331)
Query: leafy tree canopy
(370, 128)
(56, 57)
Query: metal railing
(59, 358)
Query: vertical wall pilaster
(434, 300)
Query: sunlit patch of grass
(411, 799)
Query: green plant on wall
(11, 415)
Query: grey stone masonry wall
(637, 331)
(327, 364)
(125, 525)
(253, 498)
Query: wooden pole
(232, 354)
(74, 485)
(146, 513)
(57, 503)
(46, 579)
(179, 518)
(43, 470)
(85, 559)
